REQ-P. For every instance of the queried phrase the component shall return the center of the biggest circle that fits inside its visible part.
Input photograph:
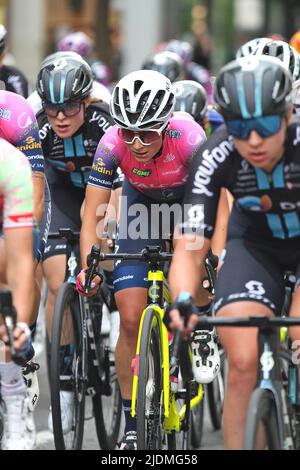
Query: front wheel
(150, 381)
(67, 382)
(107, 401)
(261, 430)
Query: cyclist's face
(264, 152)
(66, 126)
(143, 153)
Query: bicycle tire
(197, 423)
(215, 395)
(107, 405)
(67, 297)
(262, 410)
(149, 399)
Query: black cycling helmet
(190, 97)
(167, 63)
(3, 35)
(64, 76)
(253, 86)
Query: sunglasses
(69, 109)
(265, 126)
(144, 137)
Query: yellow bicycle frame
(172, 416)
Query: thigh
(54, 271)
(250, 274)
(135, 232)
(65, 213)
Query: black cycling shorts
(255, 272)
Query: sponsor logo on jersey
(255, 204)
(297, 139)
(99, 166)
(5, 114)
(102, 122)
(209, 164)
(174, 134)
(141, 173)
(24, 120)
(22, 218)
(33, 146)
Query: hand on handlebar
(177, 323)
(80, 284)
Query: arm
(187, 260)
(38, 180)
(20, 269)
(95, 201)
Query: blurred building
(126, 31)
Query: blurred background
(126, 31)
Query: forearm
(38, 195)
(20, 281)
(88, 238)
(185, 271)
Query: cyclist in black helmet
(256, 156)
(71, 126)
(167, 63)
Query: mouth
(62, 128)
(258, 156)
(140, 156)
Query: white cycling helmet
(284, 52)
(251, 46)
(142, 100)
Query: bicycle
(272, 405)
(81, 362)
(161, 414)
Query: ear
(289, 114)
(88, 101)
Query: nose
(254, 138)
(136, 144)
(61, 116)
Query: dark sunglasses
(145, 137)
(265, 126)
(69, 109)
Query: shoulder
(185, 131)
(98, 114)
(218, 149)
(293, 133)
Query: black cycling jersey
(266, 206)
(13, 80)
(69, 160)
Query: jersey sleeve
(106, 162)
(16, 188)
(209, 171)
(25, 132)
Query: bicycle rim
(149, 393)
(66, 330)
(261, 428)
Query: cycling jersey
(71, 159)
(16, 193)
(267, 205)
(19, 127)
(163, 177)
(13, 80)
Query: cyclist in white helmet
(153, 146)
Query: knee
(242, 369)
(129, 324)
